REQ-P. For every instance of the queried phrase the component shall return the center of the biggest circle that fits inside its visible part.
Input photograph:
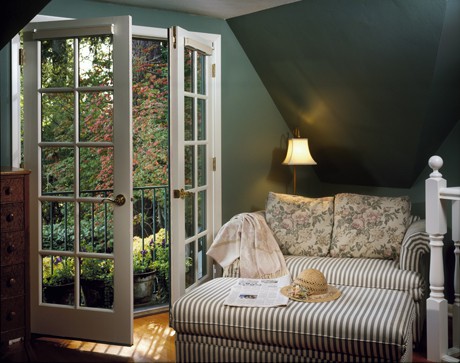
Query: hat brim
(332, 293)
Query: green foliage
(151, 254)
(58, 270)
(97, 269)
(150, 113)
(161, 262)
(143, 257)
(58, 233)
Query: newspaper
(258, 292)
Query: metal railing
(150, 214)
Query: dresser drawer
(11, 217)
(11, 190)
(12, 313)
(12, 281)
(12, 248)
(12, 335)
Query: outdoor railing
(150, 214)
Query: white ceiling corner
(221, 9)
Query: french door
(195, 157)
(78, 145)
(78, 137)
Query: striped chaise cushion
(363, 322)
(364, 272)
(367, 272)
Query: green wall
(354, 75)
(450, 153)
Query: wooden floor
(153, 342)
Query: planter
(97, 294)
(59, 294)
(143, 287)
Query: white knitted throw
(248, 237)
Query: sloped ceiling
(374, 85)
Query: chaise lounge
(370, 247)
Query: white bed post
(456, 307)
(436, 227)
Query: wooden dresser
(14, 249)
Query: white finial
(435, 163)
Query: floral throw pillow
(369, 226)
(301, 225)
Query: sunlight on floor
(153, 341)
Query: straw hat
(311, 286)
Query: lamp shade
(298, 153)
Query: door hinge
(21, 56)
(174, 37)
(214, 70)
(214, 164)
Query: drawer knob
(11, 282)
(11, 248)
(11, 315)
(10, 217)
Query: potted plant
(151, 268)
(58, 280)
(161, 266)
(143, 269)
(97, 282)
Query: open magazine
(258, 292)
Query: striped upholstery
(366, 272)
(416, 243)
(199, 348)
(361, 272)
(362, 323)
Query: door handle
(181, 193)
(118, 200)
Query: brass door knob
(118, 200)
(181, 193)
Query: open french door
(78, 145)
(195, 155)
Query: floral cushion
(301, 226)
(369, 226)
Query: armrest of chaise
(415, 245)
